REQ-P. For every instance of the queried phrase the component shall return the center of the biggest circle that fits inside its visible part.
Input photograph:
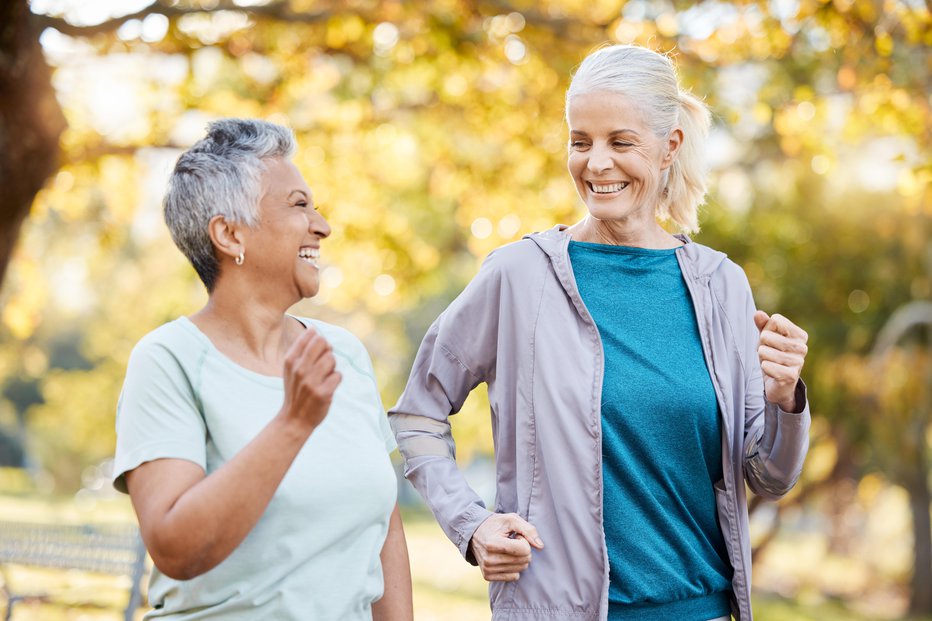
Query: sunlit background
(431, 132)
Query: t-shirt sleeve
(157, 414)
(385, 430)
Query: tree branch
(279, 10)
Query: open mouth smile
(310, 255)
(607, 188)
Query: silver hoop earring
(239, 259)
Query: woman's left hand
(782, 350)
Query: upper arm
(154, 487)
(459, 350)
(158, 415)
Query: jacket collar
(701, 260)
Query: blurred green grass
(446, 588)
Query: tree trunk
(31, 122)
(920, 500)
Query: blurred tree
(30, 122)
(431, 132)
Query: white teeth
(309, 255)
(608, 189)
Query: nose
(318, 225)
(599, 160)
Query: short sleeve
(385, 430)
(157, 414)
(387, 435)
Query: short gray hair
(221, 175)
(649, 79)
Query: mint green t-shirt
(314, 554)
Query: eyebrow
(301, 192)
(611, 134)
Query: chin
(609, 212)
(616, 209)
(308, 290)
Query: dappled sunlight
(432, 133)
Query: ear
(227, 237)
(674, 142)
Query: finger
(325, 365)
(788, 359)
(316, 348)
(783, 343)
(330, 384)
(300, 343)
(505, 568)
(525, 530)
(518, 547)
(784, 326)
(780, 373)
(760, 319)
(507, 577)
(500, 560)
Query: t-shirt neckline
(273, 381)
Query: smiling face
(283, 249)
(615, 159)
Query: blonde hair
(649, 79)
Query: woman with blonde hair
(634, 386)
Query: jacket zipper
(583, 312)
(731, 499)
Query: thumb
(526, 531)
(760, 319)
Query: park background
(431, 132)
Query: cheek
(575, 165)
(648, 164)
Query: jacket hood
(702, 260)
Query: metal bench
(113, 549)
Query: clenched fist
(502, 546)
(782, 351)
(310, 378)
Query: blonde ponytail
(686, 182)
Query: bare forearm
(396, 603)
(203, 525)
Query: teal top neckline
(613, 249)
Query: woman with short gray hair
(634, 386)
(252, 442)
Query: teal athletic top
(661, 438)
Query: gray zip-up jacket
(521, 326)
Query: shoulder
(708, 263)
(176, 339)
(731, 275)
(517, 259)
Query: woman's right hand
(311, 378)
(502, 546)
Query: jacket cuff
(466, 527)
(800, 399)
